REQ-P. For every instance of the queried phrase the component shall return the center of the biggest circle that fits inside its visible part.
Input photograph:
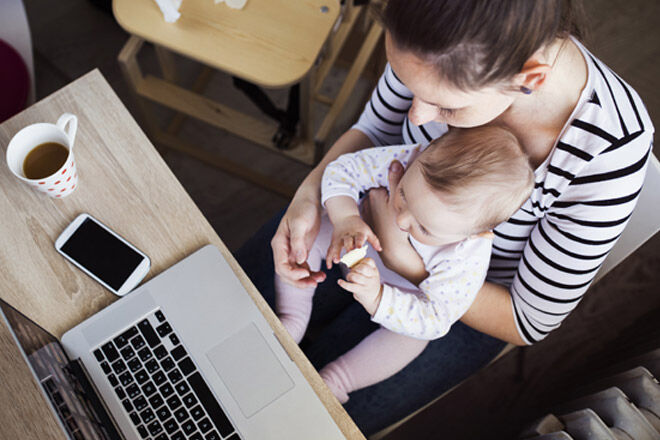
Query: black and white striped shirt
(549, 251)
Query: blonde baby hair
(481, 170)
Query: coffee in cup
(41, 155)
(44, 160)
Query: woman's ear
(532, 76)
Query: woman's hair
(481, 169)
(476, 43)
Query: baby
(449, 198)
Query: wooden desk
(21, 400)
(124, 183)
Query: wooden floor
(74, 37)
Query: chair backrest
(644, 222)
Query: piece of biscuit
(353, 257)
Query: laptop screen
(63, 381)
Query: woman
(465, 63)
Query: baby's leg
(379, 356)
(294, 305)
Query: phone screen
(101, 253)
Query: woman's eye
(447, 111)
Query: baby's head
(466, 182)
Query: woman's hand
(302, 221)
(293, 240)
(398, 254)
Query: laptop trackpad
(249, 369)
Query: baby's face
(421, 212)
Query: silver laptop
(185, 356)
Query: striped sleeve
(568, 245)
(550, 250)
(383, 116)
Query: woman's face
(438, 100)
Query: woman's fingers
(310, 279)
(281, 258)
(292, 272)
(298, 247)
(316, 277)
(293, 240)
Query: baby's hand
(351, 232)
(364, 282)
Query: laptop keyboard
(159, 385)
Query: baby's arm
(343, 180)
(349, 230)
(442, 298)
(353, 173)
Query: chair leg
(166, 62)
(347, 88)
(132, 73)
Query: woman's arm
(381, 122)
(492, 313)
(300, 225)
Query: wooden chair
(239, 43)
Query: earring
(525, 90)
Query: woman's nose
(421, 113)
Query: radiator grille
(620, 406)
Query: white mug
(63, 181)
